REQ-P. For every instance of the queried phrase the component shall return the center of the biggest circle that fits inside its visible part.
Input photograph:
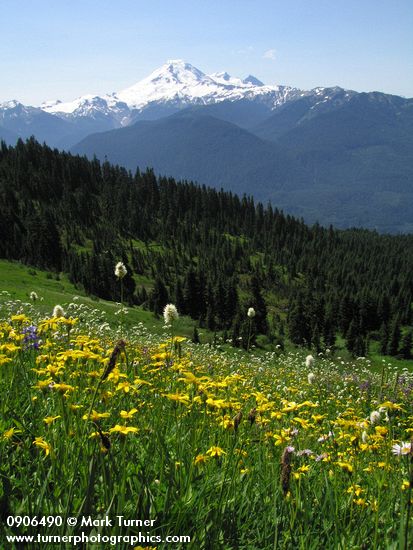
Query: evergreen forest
(212, 253)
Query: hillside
(211, 253)
(19, 281)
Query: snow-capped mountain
(176, 83)
(184, 84)
(88, 106)
(173, 86)
(24, 121)
(13, 109)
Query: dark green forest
(212, 253)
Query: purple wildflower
(31, 338)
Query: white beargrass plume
(311, 377)
(309, 361)
(250, 315)
(120, 270)
(170, 314)
(58, 311)
(33, 296)
(251, 312)
(375, 417)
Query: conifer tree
(258, 303)
(394, 337)
(195, 336)
(159, 297)
(406, 345)
(384, 338)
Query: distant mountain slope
(358, 161)
(347, 161)
(26, 121)
(295, 112)
(189, 145)
(244, 113)
(367, 119)
(8, 136)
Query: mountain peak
(11, 104)
(179, 64)
(221, 76)
(179, 70)
(175, 84)
(253, 80)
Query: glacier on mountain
(175, 82)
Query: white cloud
(269, 54)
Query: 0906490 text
(34, 521)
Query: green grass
(152, 246)
(19, 281)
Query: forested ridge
(210, 252)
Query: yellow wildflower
(355, 489)
(360, 502)
(184, 399)
(40, 442)
(215, 452)
(50, 419)
(8, 434)
(125, 386)
(405, 485)
(43, 384)
(95, 416)
(190, 378)
(9, 348)
(200, 459)
(317, 418)
(128, 414)
(124, 430)
(391, 406)
(21, 318)
(346, 466)
(282, 438)
(63, 388)
(277, 415)
(303, 423)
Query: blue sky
(53, 49)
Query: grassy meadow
(233, 450)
